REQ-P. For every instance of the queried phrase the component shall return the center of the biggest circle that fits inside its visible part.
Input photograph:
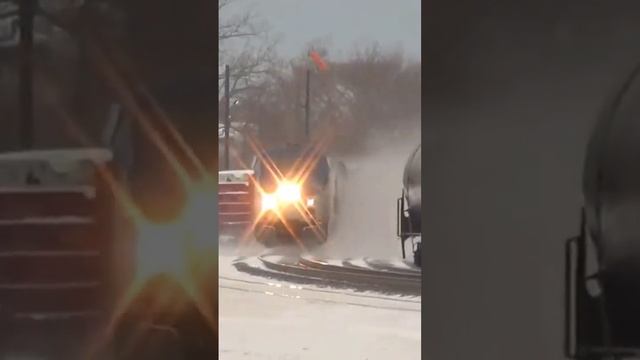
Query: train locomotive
(290, 206)
(602, 263)
(409, 207)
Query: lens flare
(289, 192)
(269, 202)
(183, 249)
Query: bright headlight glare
(289, 192)
(311, 202)
(269, 202)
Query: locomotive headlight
(311, 202)
(269, 202)
(289, 192)
(286, 193)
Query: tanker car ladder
(593, 330)
(404, 231)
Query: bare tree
(246, 46)
(373, 89)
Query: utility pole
(27, 13)
(306, 104)
(227, 117)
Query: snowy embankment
(264, 319)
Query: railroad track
(320, 272)
(390, 273)
(386, 266)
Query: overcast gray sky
(392, 23)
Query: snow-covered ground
(267, 319)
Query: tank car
(409, 206)
(602, 273)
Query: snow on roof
(234, 176)
(96, 155)
(235, 172)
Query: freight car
(409, 206)
(602, 273)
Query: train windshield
(289, 163)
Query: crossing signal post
(306, 103)
(27, 12)
(320, 65)
(226, 117)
